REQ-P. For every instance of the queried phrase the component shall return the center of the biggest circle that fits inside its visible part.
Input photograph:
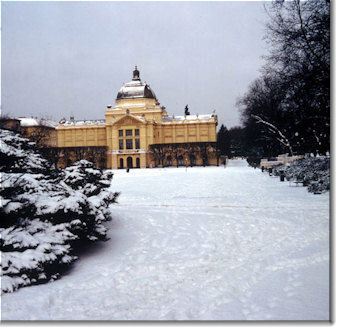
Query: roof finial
(136, 74)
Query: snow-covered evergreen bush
(314, 172)
(46, 213)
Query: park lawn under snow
(208, 243)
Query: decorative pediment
(129, 120)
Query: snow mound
(206, 243)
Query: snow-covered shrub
(34, 252)
(85, 177)
(45, 212)
(18, 154)
(314, 172)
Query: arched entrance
(137, 162)
(121, 163)
(129, 162)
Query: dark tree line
(231, 142)
(287, 109)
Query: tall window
(121, 144)
(129, 139)
(129, 144)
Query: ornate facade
(138, 132)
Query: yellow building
(138, 132)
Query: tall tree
(288, 106)
(299, 35)
(263, 103)
(223, 141)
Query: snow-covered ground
(208, 243)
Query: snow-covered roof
(135, 89)
(82, 122)
(31, 121)
(129, 105)
(189, 118)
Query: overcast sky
(71, 58)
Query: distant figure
(127, 170)
(186, 110)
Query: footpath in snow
(208, 243)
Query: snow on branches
(274, 130)
(46, 213)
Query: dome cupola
(135, 88)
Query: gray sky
(63, 58)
